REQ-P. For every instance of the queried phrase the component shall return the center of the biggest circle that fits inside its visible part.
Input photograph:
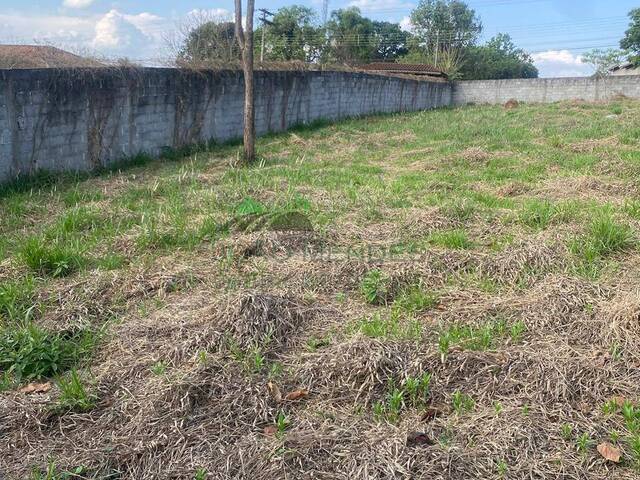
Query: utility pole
(437, 47)
(265, 22)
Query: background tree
(499, 58)
(631, 40)
(245, 41)
(391, 42)
(445, 24)
(210, 42)
(293, 35)
(604, 60)
(351, 37)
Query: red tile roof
(38, 56)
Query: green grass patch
(53, 259)
(453, 239)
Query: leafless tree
(245, 41)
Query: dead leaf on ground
(270, 430)
(415, 439)
(274, 391)
(609, 452)
(296, 394)
(430, 413)
(619, 401)
(36, 388)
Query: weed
(461, 402)
(256, 360)
(454, 239)
(583, 442)
(502, 468)
(610, 407)
(73, 394)
(604, 237)
(28, 351)
(497, 407)
(538, 214)
(16, 298)
(516, 331)
(159, 368)
(390, 326)
(282, 423)
(566, 430)
(483, 337)
(460, 210)
(415, 299)
(418, 389)
(375, 287)
(634, 446)
(50, 259)
(201, 474)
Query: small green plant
(50, 258)
(566, 430)
(282, 423)
(583, 442)
(502, 468)
(415, 300)
(634, 446)
(275, 370)
(454, 239)
(517, 330)
(201, 474)
(497, 407)
(461, 210)
(395, 402)
(604, 236)
(159, 368)
(526, 409)
(610, 407)
(461, 402)
(250, 206)
(538, 214)
(375, 287)
(73, 394)
(390, 326)
(418, 388)
(256, 360)
(16, 298)
(314, 343)
(28, 351)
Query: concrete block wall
(545, 90)
(78, 120)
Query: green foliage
(28, 351)
(73, 394)
(498, 59)
(414, 392)
(538, 214)
(211, 41)
(415, 299)
(375, 287)
(480, 338)
(445, 24)
(461, 402)
(454, 239)
(631, 40)
(390, 326)
(604, 60)
(604, 236)
(16, 298)
(51, 259)
(291, 35)
(159, 368)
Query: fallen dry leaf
(296, 394)
(609, 452)
(270, 430)
(415, 439)
(274, 391)
(36, 388)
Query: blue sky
(556, 32)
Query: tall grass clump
(51, 259)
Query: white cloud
(377, 5)
(561, 63)
(77, 3)
(405, 24)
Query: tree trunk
(245, 40)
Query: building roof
(39, 56)
(406, 68)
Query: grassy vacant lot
(446, 294)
